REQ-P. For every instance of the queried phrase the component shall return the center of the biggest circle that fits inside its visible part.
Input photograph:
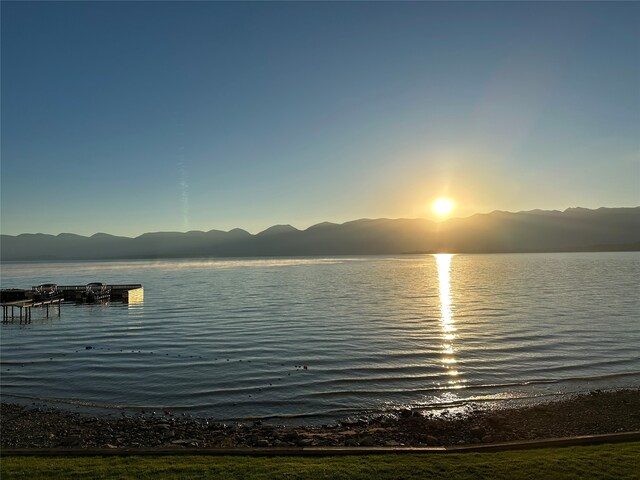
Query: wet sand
(598, 412)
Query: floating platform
(123, 293)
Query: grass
(613, 461)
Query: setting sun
(442, 207)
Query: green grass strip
(609, 461)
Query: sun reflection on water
(447, 324)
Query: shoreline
(594, 413)
(622, 248)
(352, 416)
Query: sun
(442, 207)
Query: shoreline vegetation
(597, 412)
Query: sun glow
(442, 206)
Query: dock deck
(24, 307)
(25, 300)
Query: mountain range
(574, 229)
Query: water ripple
(312, 339)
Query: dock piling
(25, 308)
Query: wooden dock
(18, 303)
(24, 308)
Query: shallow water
(231, 338)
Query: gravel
(597, 412)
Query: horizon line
(317, 224)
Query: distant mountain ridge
(575, 229)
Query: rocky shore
(594, 413)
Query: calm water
(231, 338)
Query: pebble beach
(597, 412)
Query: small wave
(464, 386)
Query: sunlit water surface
(318, 339)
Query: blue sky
(127, 117)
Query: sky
(131, 117)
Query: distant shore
(598, 412)
(573, 230)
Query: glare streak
(443, 262)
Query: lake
(318, 339)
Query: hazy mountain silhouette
(575, 229)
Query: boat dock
(116, 292)
(17, 302)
